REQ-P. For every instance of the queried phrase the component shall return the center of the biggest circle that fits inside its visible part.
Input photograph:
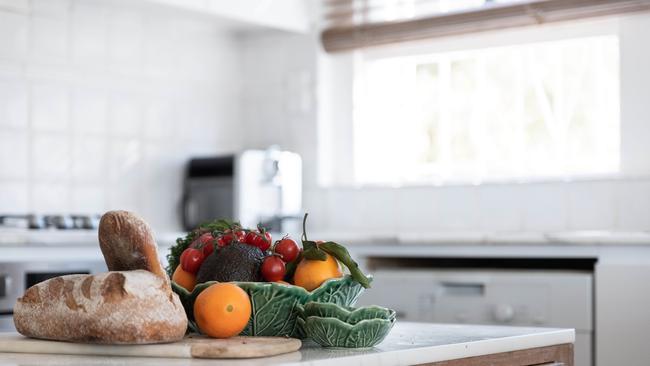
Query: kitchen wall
(101, 102)
(596, 204)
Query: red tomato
(287, 248)
(227, 237)
(240, 235)
(257, 239)
(204, 242)
(273, 269)
(191, 259)
(224, 240)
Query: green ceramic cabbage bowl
(331, 325)
(276, 306)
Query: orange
(311, 273)
(222, 310)
(184, 278)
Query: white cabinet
(285, 15)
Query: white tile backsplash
(49, 41)
(13, 36)
(500, 207)
(14, 197)
(88, 199)
(633, 205)
(13, 103)
(89, 110)
(50, 198)
(126, 115)
(95, 112)
(591, 205)
(89, 159)
(14, 155)
(545, 207)
(51, 157)
(50, 107)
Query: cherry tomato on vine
(229, 236)
(287, 249)
(204, 242)
(273, 269)
(257, 239)
(191, 259)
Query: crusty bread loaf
(128, 243)
(131, 307)
(133, 304)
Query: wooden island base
(560, 355)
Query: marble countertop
(407, 344)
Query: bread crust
(119, 307)
(127, 243)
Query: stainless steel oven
(16, 277)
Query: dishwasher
(517, 297)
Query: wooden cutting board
(191, 346)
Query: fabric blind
(354, 24)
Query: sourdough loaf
(130, 307)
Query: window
(521, 112)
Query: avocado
(234, 262)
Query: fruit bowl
(331, 325)
(276, 306)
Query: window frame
(336, 136)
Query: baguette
(127, 243)
(130, 307)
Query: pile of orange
(222, 310)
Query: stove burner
(58, 222)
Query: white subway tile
(633, 205)
(88, 199)
(89, 37)
(90, 111)
(50, 198)
(125, 41)
(591, 206)
(159, 119)
(13, 103)
(429, 209)
(500, 207)
(49, 41)
(125, 160)
(126, 115)
(50, 159)
(13, 36)
(14, 155)
(545, 207)
(160, 51)
(363, 210)
(14, 197)
(89, 159)
(49, 107)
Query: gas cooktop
(50, 222)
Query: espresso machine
(252, 187)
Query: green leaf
(311, 251)
(339, 252)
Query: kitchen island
(407, 344)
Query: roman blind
(354, 24)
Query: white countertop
(407, 344)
